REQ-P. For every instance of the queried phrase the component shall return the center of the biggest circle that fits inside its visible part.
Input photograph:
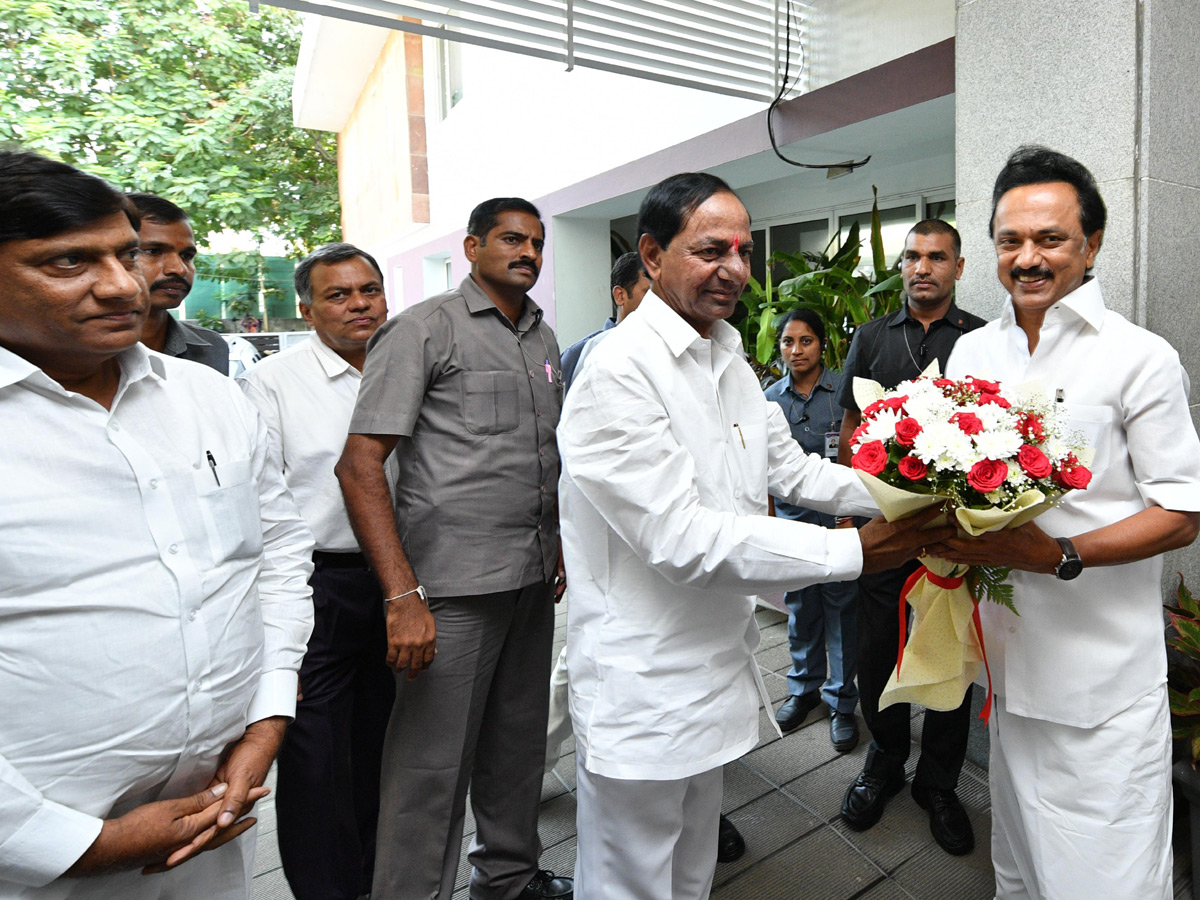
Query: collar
(179, 337)
(328, 358)
(479, 302)
(137, 362)
(954, 316)
(1085, 302)
(678, 335)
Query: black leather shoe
(730, 844)
(866, 798)
(795, 710)
(546, 884)
(843, 731)
(947, 819)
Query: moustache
(171, 283)
(524, 263)
(1037, 272)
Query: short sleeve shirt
(812, 420)
(196, 344)
(475, 401)
(896, 347)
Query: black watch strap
(1070, 565)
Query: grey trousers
(476, 718)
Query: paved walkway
(784, 796)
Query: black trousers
(944, 737)
(328, 778)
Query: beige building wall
(382, 170)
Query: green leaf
(765, 349)
(1185, 598)
(877, 257)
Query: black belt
(327, 560)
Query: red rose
(912, 468)
(979, 386)
(857, 436)
(994, 398)
(968, 422)
(944, 383)
(895, 403)
(872, 409)
(907, 431)
(1033, 462)
(1071, 474)
(1031, 427)
(870, 458)
(1077, 478)
(987, 475)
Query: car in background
(242, 354)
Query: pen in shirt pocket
(549, 371)
(212, 464)
(741, 436)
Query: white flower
(882, 427)
(943, 445)
(998, 444)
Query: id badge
(831, 444)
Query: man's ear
(471, 247)
(958, 267)
(1092, 247)
(619, 297)
(651, 256)
(306, 312)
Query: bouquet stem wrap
(944, 652)
(938, 661)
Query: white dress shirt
(306, 396)
(669, 450)
(153, 602)
(1083, 650)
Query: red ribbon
(948, 584)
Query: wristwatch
(1070, 565)
(418, 590)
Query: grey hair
(327, 254)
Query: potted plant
(1183, 688)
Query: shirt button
(543, 489)
(153, 484)
(174, 548)
(192, 616)
(114, 425)
(1012, 629)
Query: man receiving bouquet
(1080, 732)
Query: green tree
(190, 99)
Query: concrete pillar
(582, 264)
(1114, 84)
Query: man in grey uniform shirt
(168, 258)
(465, 388)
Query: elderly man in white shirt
(1080, 733)
(153, 605)
(328, 780)
(669, 450)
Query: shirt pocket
(1095, 423)
(230, 509)
(489, 402)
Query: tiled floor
(784, 796)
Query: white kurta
(1083, 650)
(306, 396)
(152, 604)
(669, 450)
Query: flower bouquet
(994, 459)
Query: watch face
(1069, 568)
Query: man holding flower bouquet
(1080, 731)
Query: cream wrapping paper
(943, 654)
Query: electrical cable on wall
(784, 86)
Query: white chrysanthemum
(1016, 476)
(943, 444)
(995, 418)
(999, 444)
(882, 427)
(930, 406)
(1055, 448)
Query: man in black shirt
(889, 350)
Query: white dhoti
(646, 840)
(1083, 813)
